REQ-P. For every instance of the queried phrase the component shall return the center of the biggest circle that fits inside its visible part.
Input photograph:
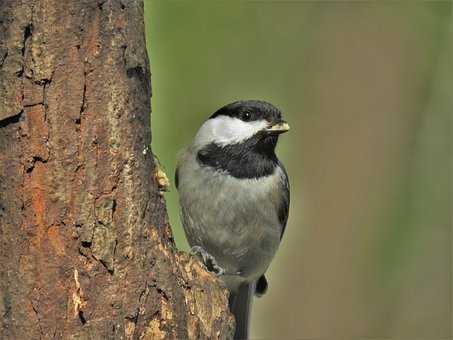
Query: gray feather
(236, 220)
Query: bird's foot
(208, 260)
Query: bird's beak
(278, 128)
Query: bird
(234, 197)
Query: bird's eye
(246, 116)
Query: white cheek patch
(224, 130)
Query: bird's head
(251, 123)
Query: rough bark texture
(86, 251)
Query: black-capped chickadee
(234, 197)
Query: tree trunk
(86, 249)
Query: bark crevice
(14, 119)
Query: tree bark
(86, 249)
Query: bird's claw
(208, 260)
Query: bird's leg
(208, 260)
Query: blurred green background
(367, 88)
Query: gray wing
(283, 210)
(261, 284)
(180, 158)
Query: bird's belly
(235, 220)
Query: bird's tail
(240, 306)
